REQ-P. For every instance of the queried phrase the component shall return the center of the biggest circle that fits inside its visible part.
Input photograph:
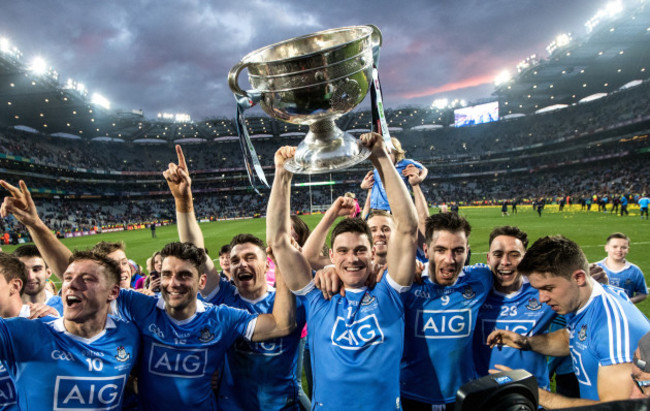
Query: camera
(514, 390)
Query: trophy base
(326, 148)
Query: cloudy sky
(174, 56)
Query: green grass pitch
(589, 229)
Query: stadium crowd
(401, 322)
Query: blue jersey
(55, 302)
(8, 396)
(179, 358)
(378, 199)
(440, 324)
(356, 342)
(260, 375)
(522, 313)
(630, 278)
(644, 202)
(604, 332)
(559, 365)
(54, 369)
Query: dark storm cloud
(174, 56)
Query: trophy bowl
(313, 80)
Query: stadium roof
(614, 53)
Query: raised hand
(368, 181)
(20, 204)
(283, 154)
(414, 174)
(178, 179)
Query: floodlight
(101, 101)
(5, 47)
(440, 103)
(38, 66)
(502, 78)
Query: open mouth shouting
(72, 300)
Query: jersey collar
(60, 327)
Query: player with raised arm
(603, 327)
(257, 375)
(357, 339)
(184, 339)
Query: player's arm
(403, 241)
(610, 388)
(291, 262)
(415, 177)
(342, 206)
(555, 343)
(282, 321)
(366, 184)
(180, 184)
(21, 205)
(641, 292)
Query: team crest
(122, 355)
(468, 292)
(628, 281)
(582, 335)
(533, 304)
(367, 299)
(206, 335)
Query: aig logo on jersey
(7, 392)
(357, 335)
(75, 393)
(443, 323)
(177, 362)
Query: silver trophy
(313, 80)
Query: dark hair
(27, 250)
(618, 235)
(225, 249)
(451, 222)
(112, 267)
(187, 252)
(351, 225)
(247, 238)
(509, 231)
(301, 228)
(105, 247)
(556, 255)
(11, 267)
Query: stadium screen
(479, 114)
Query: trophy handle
(375, 37)
(233, 78)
